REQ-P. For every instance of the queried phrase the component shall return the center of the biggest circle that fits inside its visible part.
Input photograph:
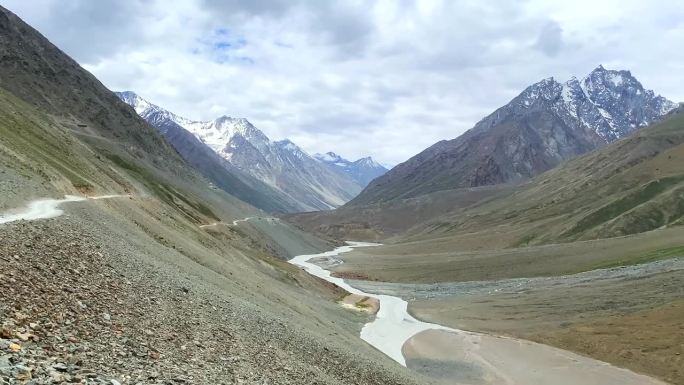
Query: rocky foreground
(73, 311)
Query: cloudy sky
(380, 78)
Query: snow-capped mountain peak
(622, 102)
(611, 102)
(215, 133)
(288, 146)
(362, 170)
(132, 99)
(154, 114)
(219, 132)
(368, 162)
(328, 157)
(282, 164)
(544, 90)
(547, 123)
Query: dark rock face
(549, 122)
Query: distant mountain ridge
(219, 171)
(279, 164)
(549, 122)
(363, 170)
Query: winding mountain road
(47, 208)
(237, 221)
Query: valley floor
(454, 356)
(629, 316)
(467, 258)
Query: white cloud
(382, 78)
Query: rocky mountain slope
(137, 278)
(363, 170)
(549, 122)
(281, 164)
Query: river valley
(465, 357)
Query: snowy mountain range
(547, 123)
(280, 164)
(362, 170)
(611, 103)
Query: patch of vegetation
(646, 217)
(165, 192)
(624, 204)
(676, 210)
(678, 222)
(30, 132)
(199, 206)
(525, 240)
(82, 186)
(124, 164)
(341, 297)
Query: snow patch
(615, 78)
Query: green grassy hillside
(631, 186)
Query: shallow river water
(499, 360)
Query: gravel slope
(87, 297)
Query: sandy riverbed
(459, 357)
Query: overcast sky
(380, 78)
